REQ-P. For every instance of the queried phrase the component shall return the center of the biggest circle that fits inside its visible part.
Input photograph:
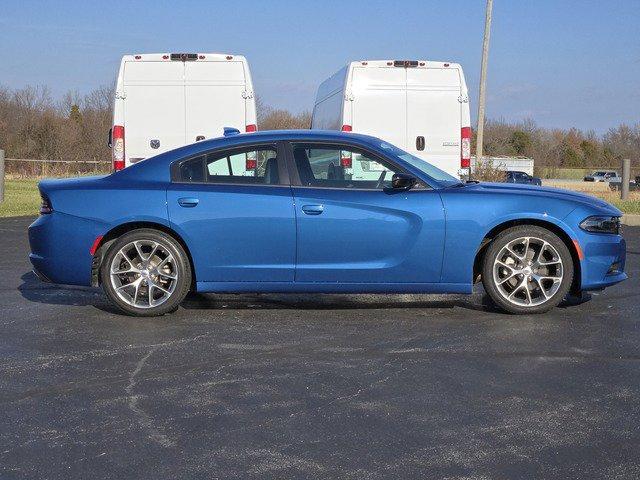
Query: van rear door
(213, 98)
(379, 103)
(434, 116)
(153, 108)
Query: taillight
(117, 150)
(45, 206)
(345, 159)
(251, 128)
(251, 162)
(346, 128)
(465, 147)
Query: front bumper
(604, 260)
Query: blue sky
(560, 63)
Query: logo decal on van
(155, 144)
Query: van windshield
(440, 176)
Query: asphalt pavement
(315, 386)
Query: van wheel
(527, 269)
(146, 273)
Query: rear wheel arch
(552, 227)
(116, 232)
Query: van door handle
(188, 202)
(420, 143)
(313, 209)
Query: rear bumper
(60, 246)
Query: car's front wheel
(146, 273)
(527, 269)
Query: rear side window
(240, 166)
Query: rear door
(239, 228)
(380, 103)
(434, 116)
(153, 108)
(213, 98)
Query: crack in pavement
(144, 419)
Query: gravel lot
(314, 386)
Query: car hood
(548, 192)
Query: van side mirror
(402, 181)
(110, 138)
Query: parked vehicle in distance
(633, 185)
(166, 100)
(418, 105)
(603, 176)
(177, 222)
(521, 177)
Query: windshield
(441, 177)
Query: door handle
(420, 143)
(313, 209)
(188, 202)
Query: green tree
(521, 142)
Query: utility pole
(483, 81)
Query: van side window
(341, 167)
(239, 166)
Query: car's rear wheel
(146, 273)
(527, 269)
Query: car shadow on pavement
(35, 290)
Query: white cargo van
(420, 106)
(166, 100)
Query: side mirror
(402, 181)
(110, 138)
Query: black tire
(494, 291)
(180, 266)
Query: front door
(235, 211)
(353, 228)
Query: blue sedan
(313, 211)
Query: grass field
(21, 197)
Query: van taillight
(465, 147)
(251, 128)
(346, 128)
(117, 150)
(251, 162)
(345, 159)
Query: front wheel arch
(116, 232)
(552, 227)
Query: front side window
(240, 166)
(341, 166)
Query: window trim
(278, 146)
(294, 175)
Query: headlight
(601, 224)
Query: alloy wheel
(528, 271)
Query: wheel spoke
(541, 287)
(167, 275)
(155, 285)
(139, 250)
